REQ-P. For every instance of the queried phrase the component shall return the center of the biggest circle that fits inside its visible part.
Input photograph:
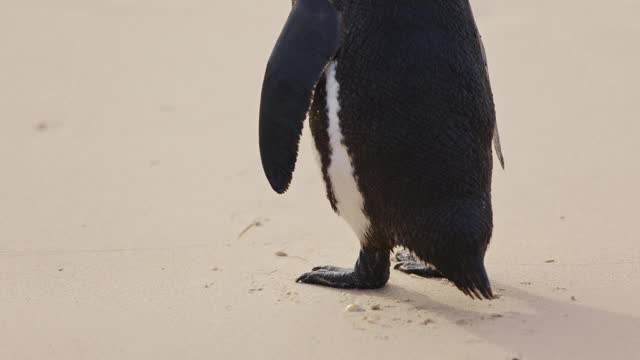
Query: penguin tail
(474, 283)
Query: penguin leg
(408, 264)
(370, 272)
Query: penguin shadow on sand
(547, 329)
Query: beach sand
(136, 222)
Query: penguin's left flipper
(370, 272)
(309, 40)
(408, 264)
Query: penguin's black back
(417, 117)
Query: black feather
(309, 39)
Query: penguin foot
(322, 275)
(408, 264)
(419, 269)
(331, 268)
(371, 272)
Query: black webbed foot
(344, 279)
(331, 268)
(371, 272)
(408, 264)
(419, 269)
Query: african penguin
(402, 115)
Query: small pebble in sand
(354, 308)
(573, 298)
(550, 261)
(427, 322)
(215, 268)
(61, 269)
(376, 307)
(281, 254)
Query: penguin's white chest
(349, 199)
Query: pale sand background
(128, 154)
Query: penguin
(402, 116)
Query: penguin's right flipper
(497, 146)
(496, 134)
(308, 41)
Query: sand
(130, 167)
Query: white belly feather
(350, 202)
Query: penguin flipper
(308, 41)
(496, 134)
(497, 146)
